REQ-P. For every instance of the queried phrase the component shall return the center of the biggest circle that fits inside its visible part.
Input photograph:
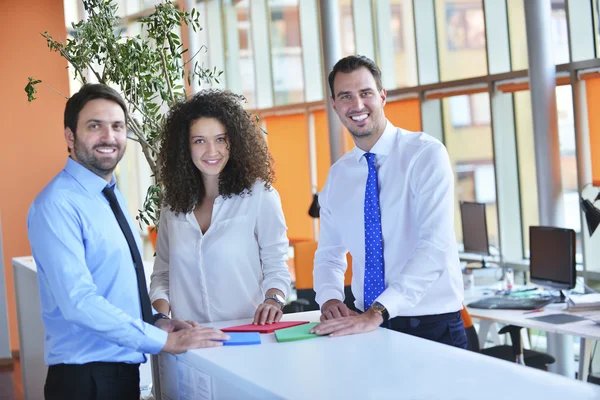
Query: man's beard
(360, 135)
(88, 159)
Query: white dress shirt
(224, 273)
(416, 195)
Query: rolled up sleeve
(273, 242)
(432, 183)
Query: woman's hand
(267, 313)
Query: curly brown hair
(249, 157)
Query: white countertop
(378, 365)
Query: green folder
(300, 332)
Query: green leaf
(31, 89)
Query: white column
(581, 29)
(232, 68)
(507, 176)
(432, 122)
(385, 44)
(194, 44)
(497, 40)
(547, 150)
(332, 53)
(261, 49)
(311, 50)
(363, 28)
(427, 54)
(543, 106)
(214, 39)
(5, 352)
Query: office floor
(11, 387)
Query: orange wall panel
(288, 143)
(322, 145)
(593, 100)
(33, 146)
(405, 114)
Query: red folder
(266, 328)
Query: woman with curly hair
(222, 245)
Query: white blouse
(222, 274)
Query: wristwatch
(280, 300)
(379, 308)
(158, 316)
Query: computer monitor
(552, 257)
(474, 227)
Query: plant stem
(166, 73)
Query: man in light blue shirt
(95, 336)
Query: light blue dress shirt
(88, 287)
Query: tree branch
(54, 90)
(194, 56)
(145, 147)
(136, 129)
(166, 72)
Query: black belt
(414, 321)
(117, 367)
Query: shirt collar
(384, 144)
(91, 182)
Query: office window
(469, 110)
(239, 55)
(461, 39)
(347, 26)
(286, 52)
(518, 33)
(472, 157)
(402, 26)
(527, 167)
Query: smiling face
(101, 137)
(359, 104)
(209, 146)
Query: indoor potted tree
(150, 70)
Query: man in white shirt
(390, 203)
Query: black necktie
(109, 192)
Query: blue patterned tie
(374, 273)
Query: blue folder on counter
(242, 338)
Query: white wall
(5, 352)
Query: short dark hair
(89, 92)
(351, 64)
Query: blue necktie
(374, 274)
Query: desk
(587, 330)
(395, 366)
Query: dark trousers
(442, 328)
(93, 381)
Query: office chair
(304, 255)
(514, 353)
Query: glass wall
(347, 26)
(405, 49)
(402, 26)
(527, 168)
(468, 138)
(239, 55)
(461, 39)
(286, 52)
